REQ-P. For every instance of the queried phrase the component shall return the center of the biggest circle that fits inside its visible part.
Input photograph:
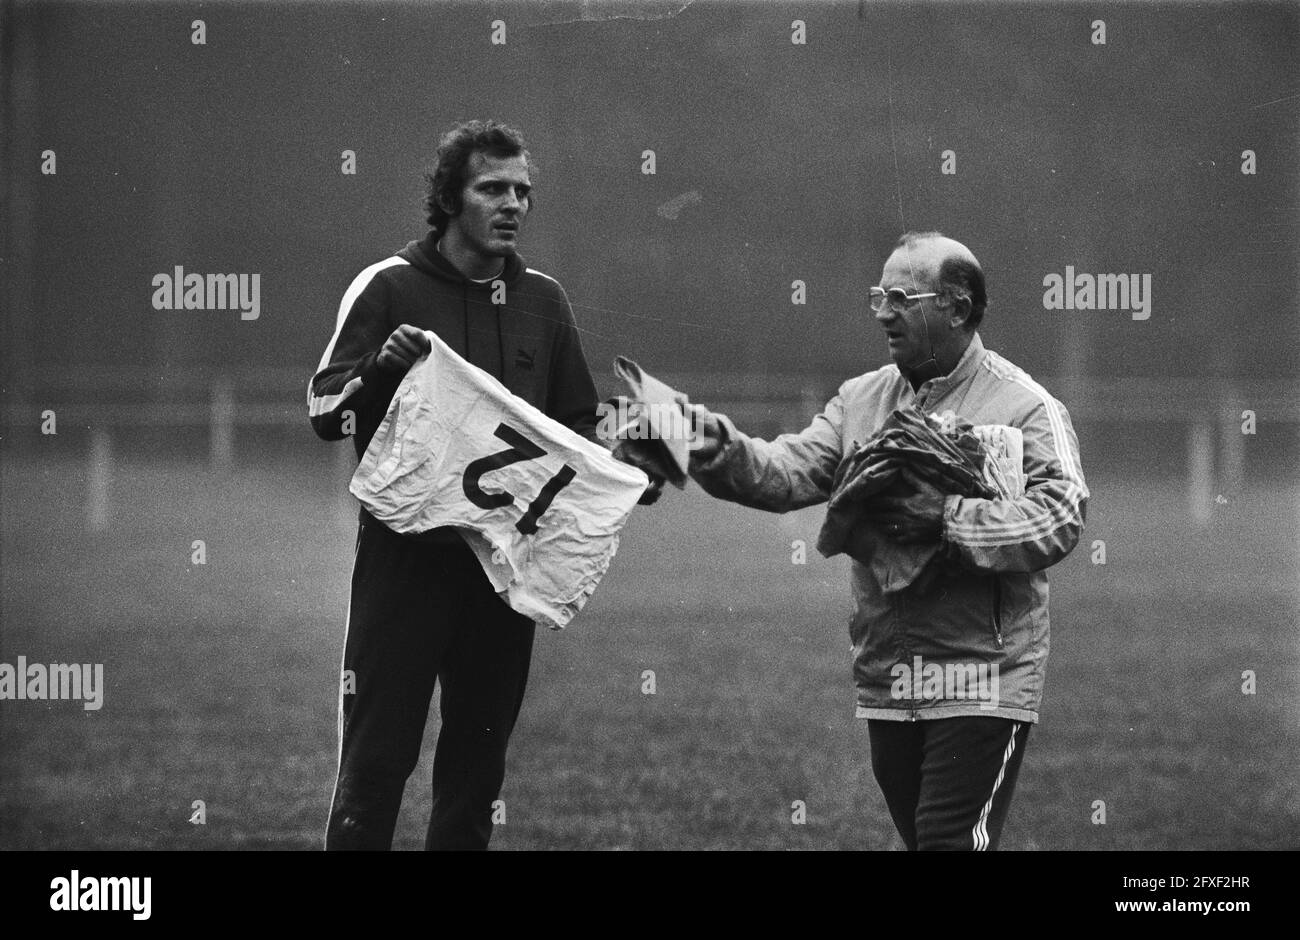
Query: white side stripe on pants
(980, 834)
(347, 625)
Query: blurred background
(775, 162)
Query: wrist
(707, 450)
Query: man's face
(915, 270)
(494, 203)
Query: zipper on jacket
(997, 610)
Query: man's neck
(472, 264)
(923, 372)
(942, 364)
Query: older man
(949, 671)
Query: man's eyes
(497, 189)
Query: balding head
(928, 334)
(945, 264)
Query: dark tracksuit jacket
(421, 608)
(529, 341)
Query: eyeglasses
(896, 297)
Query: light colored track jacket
(975, 640)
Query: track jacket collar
(966, 367)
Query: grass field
(221, 678)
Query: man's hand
(402, 349)
(708, 432)
(652, 492)
(910, 520)
(628, 455)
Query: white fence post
(99, 478)
(221, 441)
(1200, 470)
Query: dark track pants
(421, 613)
(948, 782)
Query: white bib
(540, 505)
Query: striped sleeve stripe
(1047, 523)
(359, 284)
(542, 274)
(1058, 511)
(322, 404)
(1056, 514)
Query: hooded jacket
(973, 641)
(518, 327)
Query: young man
(946, 760)
(422, 611)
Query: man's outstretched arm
(790, 472)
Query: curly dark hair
(446, 181)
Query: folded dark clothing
(634, 442)
(912, 455)
(659, 432)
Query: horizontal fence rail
(274, 395)
(112, 400)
